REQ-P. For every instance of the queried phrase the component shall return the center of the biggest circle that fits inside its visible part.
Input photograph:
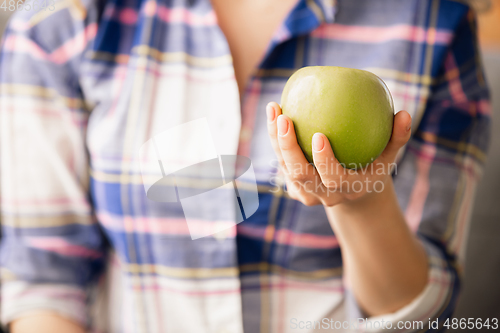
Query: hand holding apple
(328, 182)
(341, 120)
(327, 113)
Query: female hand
(328, 182)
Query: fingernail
(408, 127)
(318, 143)
(282, 125)
(270, 113)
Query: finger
(273, 110)
(401, 133)
(329, 168)
(296, 163)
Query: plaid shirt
(85, 84)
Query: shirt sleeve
(437, 177)
(52, 249)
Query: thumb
(401, 132)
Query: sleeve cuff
(428, 304)
(21, 299)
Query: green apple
(352, 107)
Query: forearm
(45, 322)
(385, 264)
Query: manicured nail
(271, 114)
(282, 125)
(317, 142)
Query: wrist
(369, 216)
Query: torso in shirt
(285, 251)
(142, 66)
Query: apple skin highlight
(352, 107)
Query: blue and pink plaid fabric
(83, 86)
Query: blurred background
(481, 289)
